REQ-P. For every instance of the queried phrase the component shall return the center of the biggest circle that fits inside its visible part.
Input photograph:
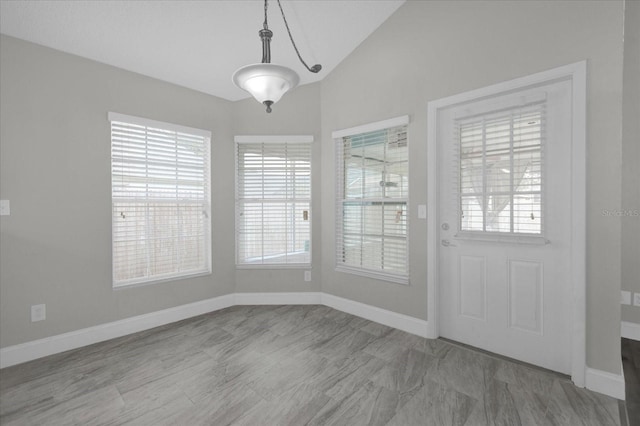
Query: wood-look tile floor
(289, 365)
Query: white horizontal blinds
(373, 191)
(160, 201)
(501, 170)
(273, 204)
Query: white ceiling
(197, 44)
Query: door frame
(576, 73)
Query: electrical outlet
(636, 299)
(38, 312)
(307, 275)
(5, 208)
(625, 297)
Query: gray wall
(631, 158)
(429, 50)
(296, 114)
(55, 247)
(55, 169)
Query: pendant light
(267, 82)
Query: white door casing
(523, 297)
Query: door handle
(447, 243)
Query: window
(160, 200)
(372, 197)
(273, 201)
(500, 171)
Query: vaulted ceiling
(197, 44)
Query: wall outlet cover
(5, 208)
(625, 297)
(38, 312)
(307, 275)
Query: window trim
(337, 137)
(499, 109)
(141, 121)
(402, 120)
(156, 279)
(275, 139)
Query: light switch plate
(625, 297)
(307, 275)
(636, 299)
(5, 208)
(422, 211)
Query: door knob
(445, 226)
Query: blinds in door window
(500, 158)
(160, 200)
(373, 193)
(273, 200)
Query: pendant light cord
(264, 24)
(317, 67)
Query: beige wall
(631, 158)
(429, 50)
(55, 247)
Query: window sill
(158, 280)
(275, 266)
(498, 238)
(374, 274)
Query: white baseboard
(606, 383)
(24, 352)
(301, 298)
(29, 351)
(630, 330)
(596, 380)
(372, 313)
(389, 318)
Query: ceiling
(197, 44)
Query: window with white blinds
(273, 201)
(501, 171)
(160, 200)
(372, 200)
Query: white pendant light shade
(266, 82)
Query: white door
(504, 209)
